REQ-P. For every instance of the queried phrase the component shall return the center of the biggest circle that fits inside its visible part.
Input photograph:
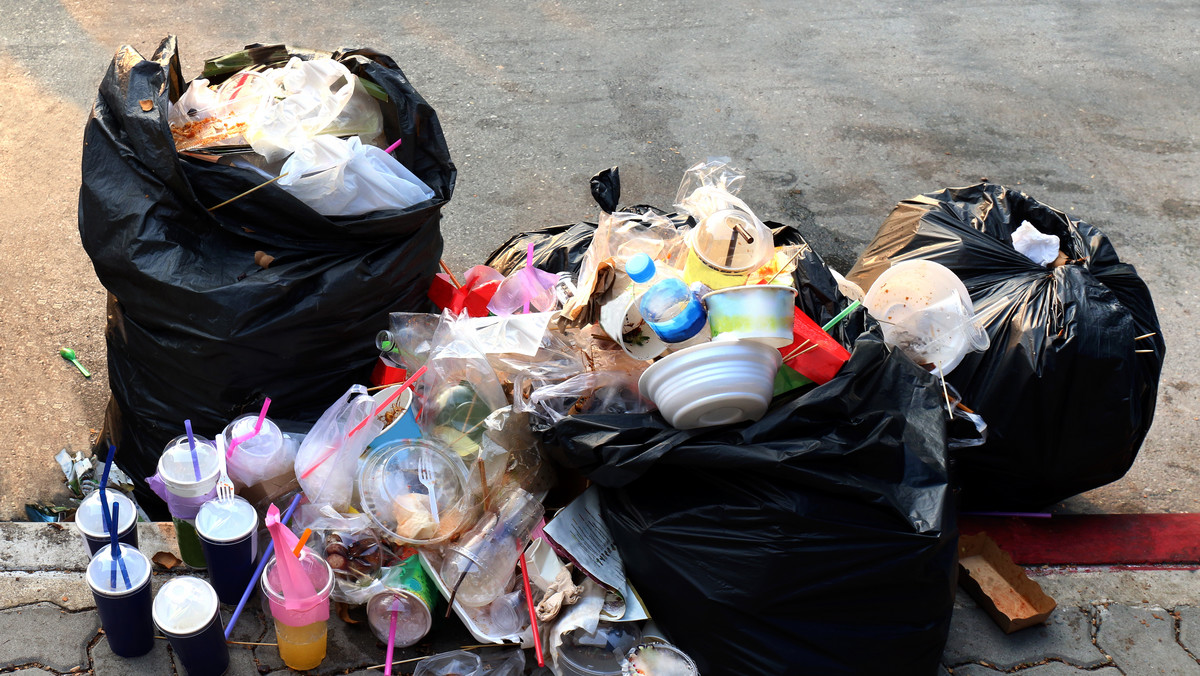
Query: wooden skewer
(249, 643)
(238, 197)
(1152, 333)
(796, 350)
(785, 265)
(1143, 351)
(461, 647)
(446, 269)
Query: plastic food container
(393, 496)
(716, 383)
(659, 659)
(621, 318)
(759, 312)
(598, 654)
(925, 311)
(726, 247)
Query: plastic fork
(425, 474)
(224, 485)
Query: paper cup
(623, 322)
(759, 312)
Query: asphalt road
(835, 110)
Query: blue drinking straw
(116, 550)
(112, 450)
(187, 425)
(262, 563)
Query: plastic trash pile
(636, 447)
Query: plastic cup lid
(660, 659)
(99, 571)
(264, 444)
(226, 520)
(397, 501)
(733, 240)
(413, 618)
(89, 517)
(315, 567)
(184, 606)
(178, 472)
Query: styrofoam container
(717, 383)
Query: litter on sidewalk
(666, 443)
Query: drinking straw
(116, 550)
(391, 645)
(262, 563)
(537, 635)
(841, 315)
(1022, 515)
(382, 407)
(187, 425)
(112, 450)
(395, 145)
(262, 415)
(526, 282)
(303, 539)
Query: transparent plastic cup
(301, 630)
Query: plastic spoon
(69, 354)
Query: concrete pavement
(1109, 621)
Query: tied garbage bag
(1068, 385)
(197, 328)
(810, 542)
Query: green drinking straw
(841, 315)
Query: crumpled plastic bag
(327, 462)
(339, 177)
(310, 98)
(1039, 248)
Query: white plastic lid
(184, 606)
(100, 571)
(226, 520)
(413, 618)
(262, 445)
(178, 472)
(734, 240)
(89, 517)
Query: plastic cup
(399, 420)
(178, 474)
(411, 594)
(453, 663)
(599, 653)
(507, 615)
(760, 312)
(187, 612)
(717, 383)
(228, 532)
(300, 630)
(621, 318)
(125, 609)
(262, 457)
(725, 248)
(90, 521)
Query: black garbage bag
(197, 328)
(1068, 385)
(819, 540)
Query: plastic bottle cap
(184, 606)
(640, 268)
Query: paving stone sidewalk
(1108, 622)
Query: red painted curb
(1093, 539)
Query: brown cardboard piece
(1000, 586)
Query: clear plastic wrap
(357, 554)
(327, 461)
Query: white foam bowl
(717, 383)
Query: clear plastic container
(391, 492)
(726, 247)
(485, 558)
(658, 659)
(597, 654)
(260, 457)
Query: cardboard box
(1000, 586)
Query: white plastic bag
(327, 462)
(310, 98)
(1039, 248)
(346, 178)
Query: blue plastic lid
(640, 268)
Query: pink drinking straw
(537, 634)
(295, 584)
(527, 278)
(187, 425)
(382, 407)
(394, 146)
(262, 415)
(391, 646)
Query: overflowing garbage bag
(787, 545)
(1068, 384)
(217, 304)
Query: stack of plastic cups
(300, 622)
(187, 490)
(89, 518)
(186, 610)
(228, 532)
(123, 599)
